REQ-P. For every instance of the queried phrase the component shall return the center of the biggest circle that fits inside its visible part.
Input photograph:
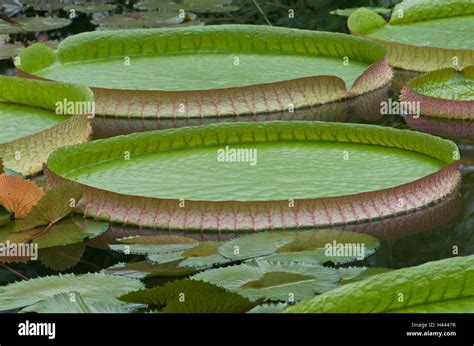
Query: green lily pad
(211, 71)
(65, 232)
(444, 93)
(147, 270)
(136, 20)
(203, 255)
(143, 245)
(268, 308)
(206, 6)
(275, 281)
(64, 303)
(83, 8)
(439, 286)
(92, 287)
(313, 247)
(28, 121)
(34, 24)
(353, 274)
(187, 179)
(191, 296)
(346, 12)
(422, 35)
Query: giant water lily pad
(422, 35)
(443, 93)
(434, 287)
(31, 128)
(290, 175)
(213, 71)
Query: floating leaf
(346, 12)
(139, 20)
(65, 232)
(90, 8)
(314, 247)
(74, 303)
(93, 288)
(62, 257)
(18, 195)
(353, 274)
(444, 93)
(420, 33)
(33, 24)
(268, 308)
(439, 286)
(275, 281)
(154, 244)
(397, 169)
(191, 296)
(59, 202)
(203, 255)
(147, 270)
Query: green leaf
(5, 216)
(93, 288)
(154, 245)
(74, 303)
(183, 55)
(346, 12)
(275, 281)
(203, 255)
(147, 270)
(381, 167)
(190, 296)
(353, 274)
(29, 121)
(65, 232)
(59, 202)
(33, 24)
(444, 93)
(446, 285)
(420, 33)
(313, 247)
(268, 308)
(60, 258)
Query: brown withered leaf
(18, 195)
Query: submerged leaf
(62, 257)
(18, 195)
(191, 296)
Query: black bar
(314, 329)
